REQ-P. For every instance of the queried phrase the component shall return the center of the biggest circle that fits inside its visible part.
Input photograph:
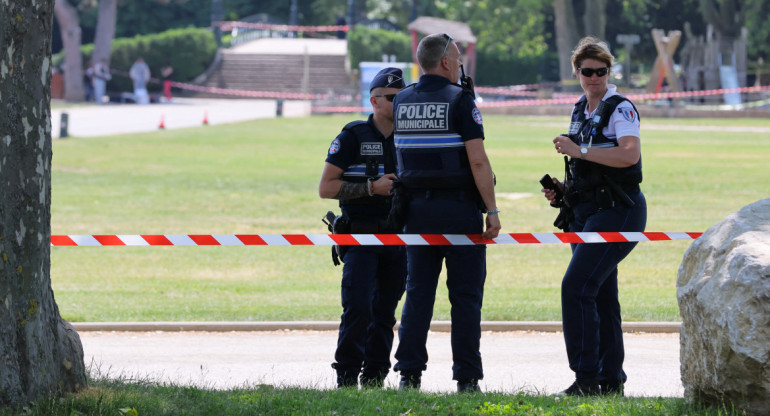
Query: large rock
(723, 289)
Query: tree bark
(105, 30)
(566, 36)
(69, 26)
(595, 18)
(40, 352)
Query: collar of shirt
(612, 89)
(430, 82)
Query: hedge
(190, 51)
(365, 44)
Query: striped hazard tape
(362, 239)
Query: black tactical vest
(429, 151)
(583, 131)
(374, 159)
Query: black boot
(346, 377)
(410, 380)
(612, 388)
(469, 386)
(373, 381)
(582, 387)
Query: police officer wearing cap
(601, 194)
(359, 172)
(444, 168)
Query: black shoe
(582, 387)
(409, 381)
(346, 380)
(372, 382)
(612, 388)
(470, 386)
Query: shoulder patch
(477, 116)
(628, 113)
(335, 147)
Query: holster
(564, 218)
(339, 224)
(399, 208)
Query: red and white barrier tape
(229, 25)
(362, 239)
(248, 93)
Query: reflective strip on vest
(428, 141)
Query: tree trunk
(595, 18)
(105, 30)
(69, 26)
(40, 352)
(566, 36)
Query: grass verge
(139, 398)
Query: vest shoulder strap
(359, 128)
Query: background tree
(105, 30)
(41, 353)
(575, 19)
(69, 27)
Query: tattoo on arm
(350, 190)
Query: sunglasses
(449, 40)
(388, 97)
(589, 72)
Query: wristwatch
(583, 152)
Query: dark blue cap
(387, 78)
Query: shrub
(189, 51)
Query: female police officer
(602, 192)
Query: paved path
(513, 361)
(113, 118)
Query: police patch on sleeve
(335, 147)
(477, 116)
(628, 113)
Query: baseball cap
(387, 78)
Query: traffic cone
(162, 124)
(206, 118)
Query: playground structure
(713, 62)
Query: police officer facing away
(359, 172)
(602, 192)
(447, 176)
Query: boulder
(723, 290)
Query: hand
(384, 184)
(566, 146)
(493, 227)
(549, 194)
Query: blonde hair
(591, 48)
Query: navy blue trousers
(466, 272)
(372, 284)
(589, 291)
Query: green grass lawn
(132, 397)
(261, 177)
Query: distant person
(446, 174)
(88, 82)
(166, 74)
(140, 74)
(359, 172)
(101, 76)
(340, 22)
(601, 194)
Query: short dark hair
(431, 50)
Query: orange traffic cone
(162, 124)
(206, 118)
